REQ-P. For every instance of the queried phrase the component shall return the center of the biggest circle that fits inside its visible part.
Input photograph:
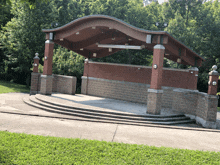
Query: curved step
(39, 97)
(106, 114)
(100, 117)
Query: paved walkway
(194, 139)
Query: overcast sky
(160, 1)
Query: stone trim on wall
(154, 91)
(139, 66)
(118, 64)
(122, 82)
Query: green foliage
(22, 37)
(31, 3)
(68, 63)
(131, 12)
(197, 27)
(32, 149)
(190, 21)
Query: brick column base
(207, 110)
(154, 101)
(212, 105)
(46, 84)
(84, 85)
(35, 81)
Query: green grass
(7, 87)
(26, 149)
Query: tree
(201, 34)
(5, 16)
(68, 63)
(22, 37)
(131, 12)
(31, 3)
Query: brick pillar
(47, 78)
(154, 100)
(213, 81)
(194, 71)
(208, 116)
(46, 84)
(36, 63)
(84, 85)
(48, 57)
(35, 76)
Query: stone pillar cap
(194, 68)
(49, 42)
(214, 72)
(36, 56)
(87, 60)
(159, 46)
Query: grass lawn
(26, 149)
(7, 87)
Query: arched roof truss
(92, 36)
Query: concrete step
(50, 100)
(32, 101)
(105, 114)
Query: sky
(160, 1)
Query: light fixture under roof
(119, 46)
(94, 54)
(129, 39)
(61, 39)
(93, 27)
(113, 38)
(77, 33)
(110, 49)
(167, 54)
(179, 60)
(81, 48)
(110, 27)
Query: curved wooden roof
(84, 34)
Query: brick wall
(202, 105)
(123, 90)
(128, 91)
(207, 106)
(186, 101)
(167, 97)
(121, 72)
(179, 78)
(35, 83)
(64, 84)
(60, 84)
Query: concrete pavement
(194, 139)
